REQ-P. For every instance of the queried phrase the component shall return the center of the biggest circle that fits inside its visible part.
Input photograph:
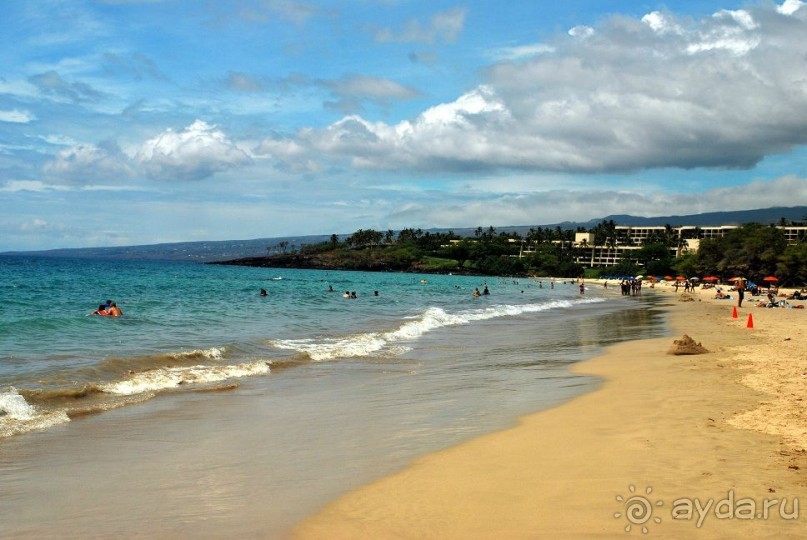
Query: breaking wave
(365, 344)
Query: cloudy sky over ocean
(145, 121)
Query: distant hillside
(235, 249)
(712, 219)
(765, 216)
(185, 251)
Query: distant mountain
(710, 219)
(223, 250)
(218, 250)
(765, 216)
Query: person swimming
(100, 311)
(107, 309)
(113, 310)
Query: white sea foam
(13, 405)
(359, 345)
(173, 377)
(17, 416)
(213, 353)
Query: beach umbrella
(680, 278)
(770, 278)
(710, 278)
(694, 279)
(668, 278)
(639, 277)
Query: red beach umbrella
(680, 278)
(710, 278)
(770, 278)
(668, 278)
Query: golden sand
(715, 438)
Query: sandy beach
(693, 446)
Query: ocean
(210, 410)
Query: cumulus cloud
(445, 26)
(630, 94)
(198, 151)
(84, 163)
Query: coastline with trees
(753, 250)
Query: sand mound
(686, 345)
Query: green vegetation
(753, 250)
(543, 252)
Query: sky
(126, 122)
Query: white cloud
(14, 186)
(558, 205)
(199, 151)
(16, 116)
(520, 52)
(662, 23)
(789, 7)
(85, 163)
(724, 91)
(581, 31)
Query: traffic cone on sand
(734, 313)
(750, 321)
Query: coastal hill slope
(223, 250)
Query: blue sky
(146, 121)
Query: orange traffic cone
(734, 313)
(750, 321)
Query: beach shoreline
(674, 432)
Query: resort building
(687, 240)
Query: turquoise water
(230, 414)
(188, 326)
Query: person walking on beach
(739, 285)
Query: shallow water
(355, 389)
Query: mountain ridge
(220, 250)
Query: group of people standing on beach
(631, 287)
(108, 309)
